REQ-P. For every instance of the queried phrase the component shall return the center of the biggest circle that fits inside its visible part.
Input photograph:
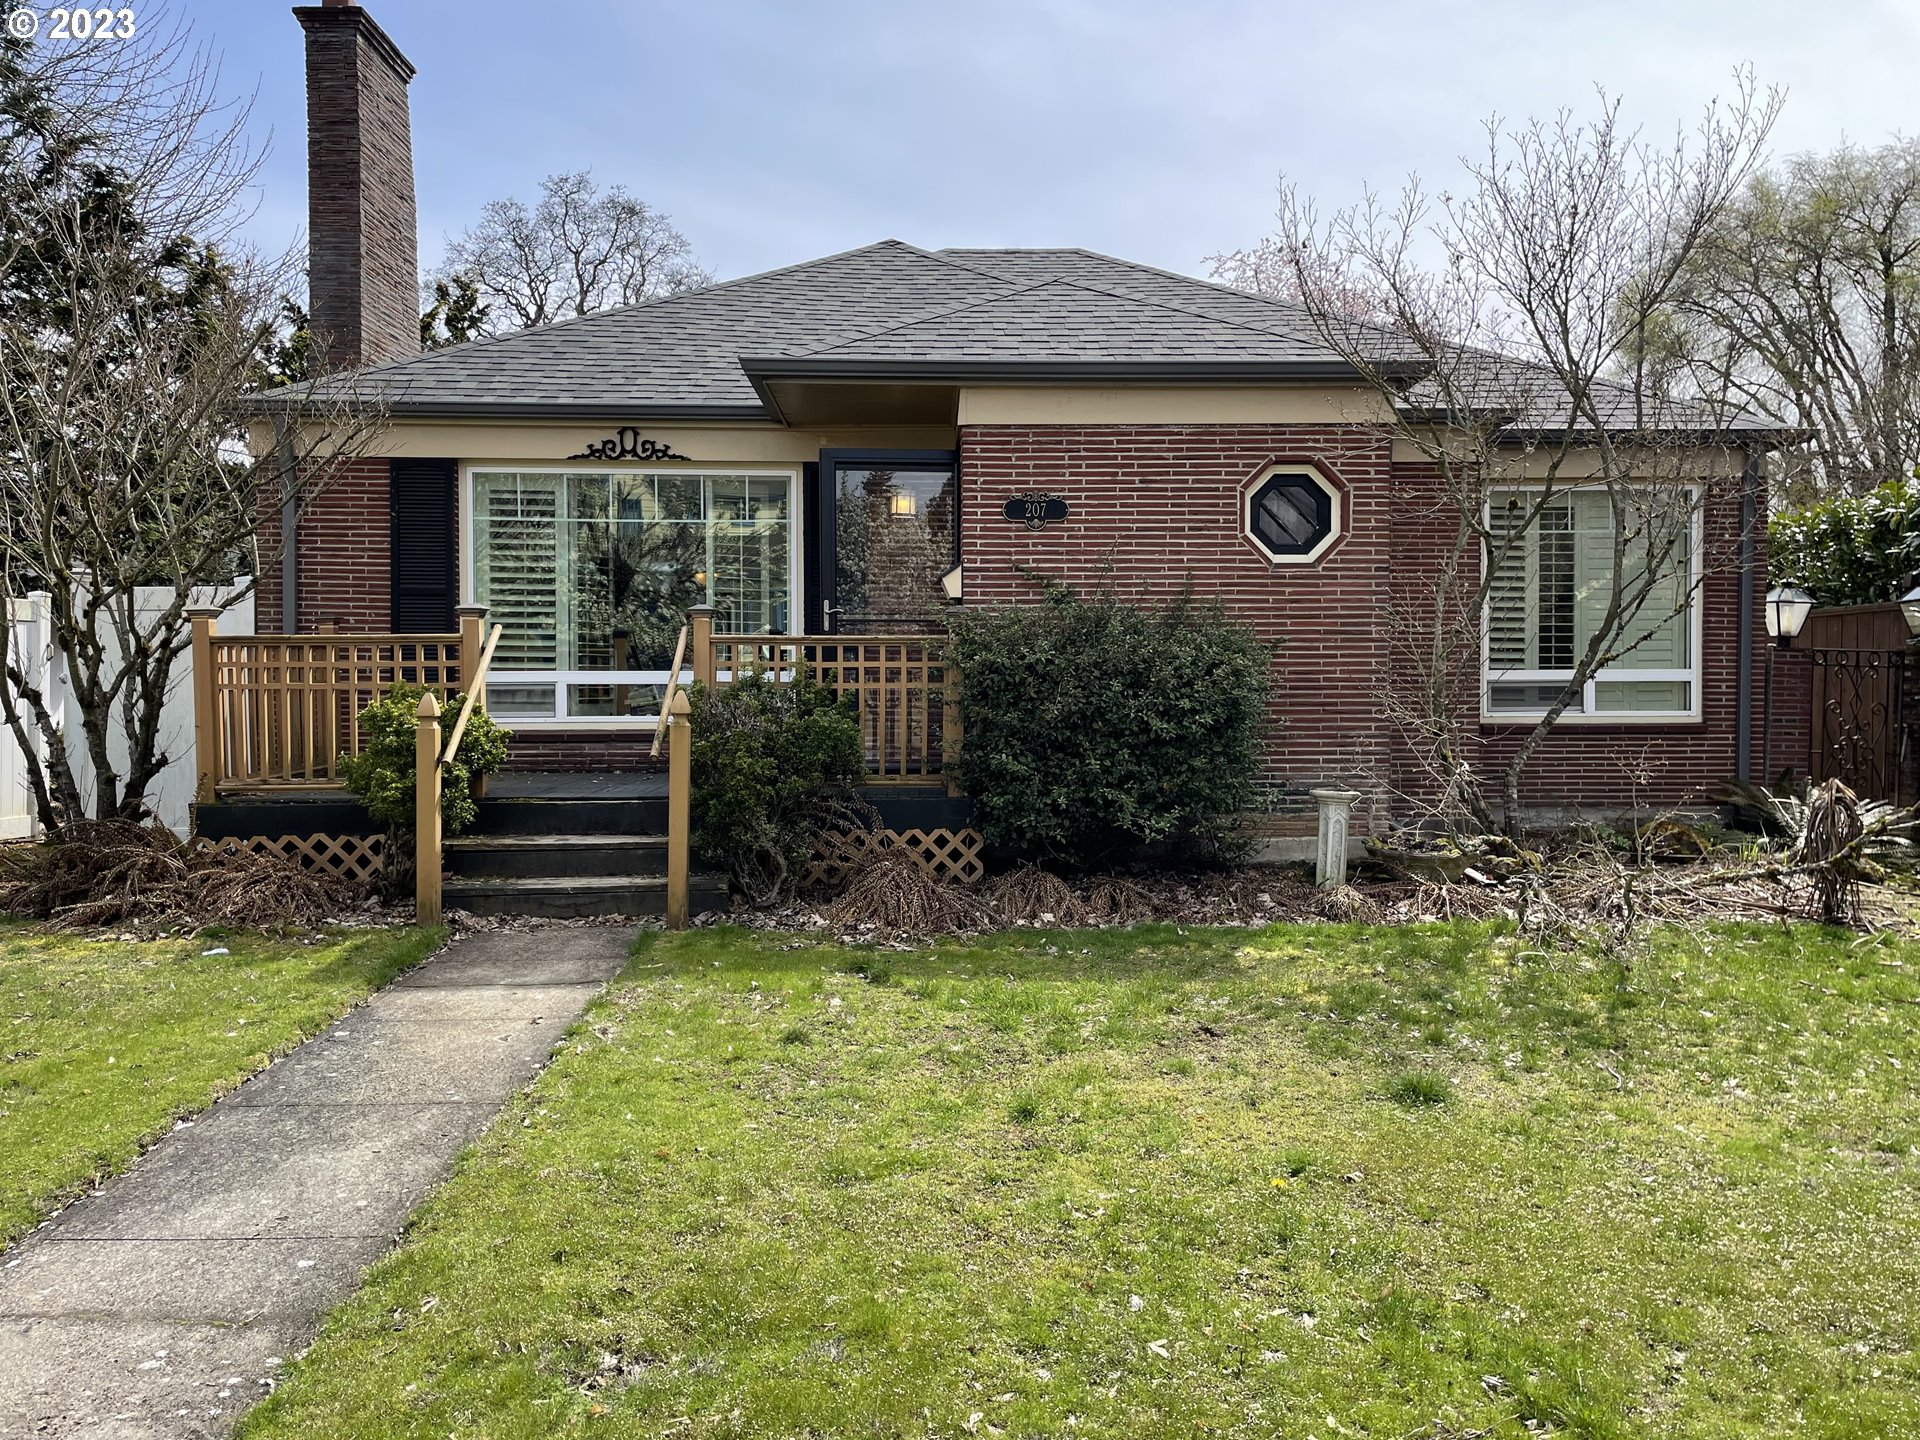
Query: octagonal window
(1293, 515)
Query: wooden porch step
(555, 856)
(573, 897)
(513, 815)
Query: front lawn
(104, 1044)
(1310, 1181)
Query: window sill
(642, 724)
(1507, 721)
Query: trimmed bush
(1854, 550)
(1096, 730)
(765, 757)
(382, 773)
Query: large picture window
(590, 574)
(1553, 571)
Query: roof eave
(761, 369)
(266, 406)
(1764, 436)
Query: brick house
(854, 443)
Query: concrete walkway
(163, 1305)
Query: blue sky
(773, 132)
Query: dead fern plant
(894, 895)
(1032, 896)
(1116, 900)
(115, 872)
(1830, 849)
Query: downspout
(1749, 523)
(289, 529)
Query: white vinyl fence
(28, 638)
(172, 792)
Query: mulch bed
(1564, 904)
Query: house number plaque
(1035, 510)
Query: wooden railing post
(700, 618)
(473, 631)
(679, 807)
(206, 740)
(473, 634)
(426, 812)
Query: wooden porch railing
(429, 754)
(900, 688)
(278, 711)
(673, 689)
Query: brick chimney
(363, 243)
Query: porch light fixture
(903, 502)
(1787, 612)
(950, 583)
(1910, 610)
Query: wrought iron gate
(1866, 704)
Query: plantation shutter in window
(1510, 599)
(517, 566)
(426, 571)
(1592, 568)
(1653, 637)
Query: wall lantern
(1787, 612)
(1910, 610)
(950, 583)
(903, 502)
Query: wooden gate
(1866, 704)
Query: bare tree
(1804, 300)
(1564, 490)
(577, 250)
(126, 337)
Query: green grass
(1177, 1183)
(104, 1044)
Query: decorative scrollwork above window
(626, 443)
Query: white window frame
(1587, 714)
(562, 679)
(1336, 514)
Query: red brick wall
(1791, 745)
(1657, 765)
(344, 562)
(1154, 507)
(1602, 766)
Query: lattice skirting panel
(355, 859)
(944, 854)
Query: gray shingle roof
(878, 309)
(1065, 320)
(680, 354)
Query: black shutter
(811, 585)
(426, 566)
